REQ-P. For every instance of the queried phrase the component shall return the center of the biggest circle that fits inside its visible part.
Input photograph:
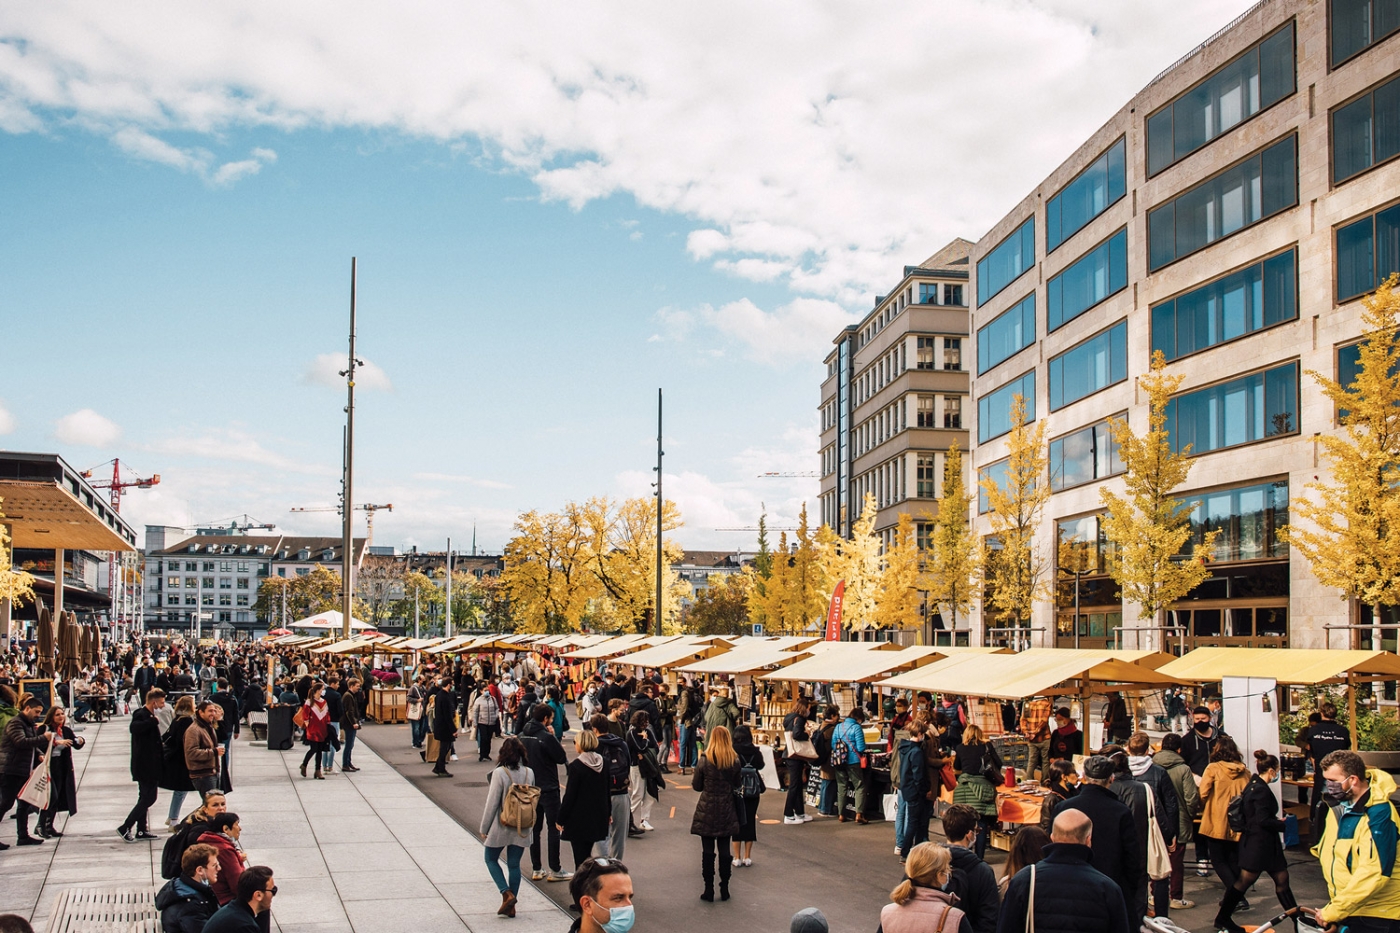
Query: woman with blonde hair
(919, 903)
(716, 821)
(973, 759)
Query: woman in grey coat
(496, 835)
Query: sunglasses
(271, 890)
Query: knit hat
(809, 920)
(1099, 768)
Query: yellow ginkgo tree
(16, 586)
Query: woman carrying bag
(497, 834)
(919, 904)
(716, 820)
(749, 757)
(801, 754)
(316, 717)
(974, 760)
(63, 788)
(174, 774)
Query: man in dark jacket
(971, 879)
(1071, 896)
(1195, 745)
(147, 753)
(444, 703)
(229, 725)
(546, 755)
(643, 701)
(525, 702)
(20, 748)
(256, 888)
(144, 678)
(1115, 843)
(1324, 738)
(186, 903)
(914, 783)
(617, 760)
(351, 713)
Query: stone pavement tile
(291, 861)
(401, 801)
(365, 832)
(372, 885)
(306, 900)
(533, 922)
(428, 915)
(354, 856)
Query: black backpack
(1234, 813)
(174, 850)
(619, 766)
(750, 781)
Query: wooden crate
(387, 704)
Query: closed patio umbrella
(69, 651)
(44, 635)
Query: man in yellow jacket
(1358, 848)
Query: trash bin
(279, 727)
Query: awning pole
(1351, 707)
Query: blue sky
(553, 214)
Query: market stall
(667, 656)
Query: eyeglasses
(271, 890)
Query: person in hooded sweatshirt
(1225, 778)
(1188, 804)
(586, 810)
(971, 881)
(914, 784)
(546, 755)
(1145, 771)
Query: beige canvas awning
(1028, 674)
(1293, 666)
(672, 653)
(843, 667)
(618, 644)
(744, 659)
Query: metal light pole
(415, 612)
(347, 563)
(660, 506)
(448, 629)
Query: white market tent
(847, 668)
(331, 619)
(744, 659)
(672, 653)
(1031, 673)
(618, 644)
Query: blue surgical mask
(620, 920)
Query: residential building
(895, 398)
(1231, 215)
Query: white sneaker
(537, 875)
(748, 863)
(806, 817)
(793, 820)
(646, 825)
(738, 863)
(897, 850)
(452, 757)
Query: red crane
(116, 488)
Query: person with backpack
(975, 760)
(718, 778)
(972, 880)
(751, 787)
(186, 902)
(722, 712)
(1225, 779)
(617, 759)
(508, 819)
(1255, 814)
(690, 706)
(821, 741)
(847, 747)
(645, 772)
(545, 755)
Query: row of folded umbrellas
(67, 647)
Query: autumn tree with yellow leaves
(1350, 532)
(16, 586)
(547, 572)
(622, 552)
(858, 561)
(793, 593)
(899, 591)
(953, 562)
(1150, 527)
(1013, 570)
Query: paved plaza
(360, 852)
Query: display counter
(387, 704)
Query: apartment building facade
(1232, 216)
(895, 398)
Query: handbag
(1030, 904)
(36, 790)
(949, 776)
(800, 748)
(299, 717)
(1159, 860)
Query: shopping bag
(1159, 860)
(431, 752)
(36, 790)
(890, 805)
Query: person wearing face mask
(1357, 851)
(919, 902)
(1260, 847)
(1226, 778)
(1063, 892)
(602, 894)
(1324, 738)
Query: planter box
(387, 704)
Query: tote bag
(1159, 860)
(36, 790)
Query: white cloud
(7, 420)
(142, 145)
(800, 330)
(787, 134)
(325, 371)
(457, 478)
(237, 446)
(86, 428)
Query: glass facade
(1366, 131)
(1007, 334)
(1248, 518)
(1006, 262)
(1084, 456)
(1250, 408)
(994, 408)
(997, 474)
(843, 436)
(1254, 80)
(1240, 303)
(1096, 275)
(1368, 251)
(1244, 194)
(1084, 369)
(1092, 192)
(1359, 24)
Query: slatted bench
(105, 910)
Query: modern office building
(1231, 215)
(895, 398)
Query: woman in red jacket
(222, 834)
(316, 717)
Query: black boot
(46, 826)
(707, 871)
(24, 838)
(725, 869)
(1290, 904)
(1223, 920)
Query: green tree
(953, 562)
(1149, 527)
(1350, 532)
(1013, 570)
(721, 608)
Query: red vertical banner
(833, 613)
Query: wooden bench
(105, 910)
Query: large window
(1006, 262)
(1368, 251)
(925, 477)
(996, 472)
(1366, 131)
(1248, 519)
(1244, 194)
(1089, 549)
(1359, 24)
(994, 408)
(1240, 303)
(1007, 334)
(1084, 369)
(1092, 192)
(1099, 273)
(1243, 410)
(1256, 79)
(1084, 456)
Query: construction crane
(764, 528)
(368, 508)
(116, 488)
(237, 527)
(776, 475)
